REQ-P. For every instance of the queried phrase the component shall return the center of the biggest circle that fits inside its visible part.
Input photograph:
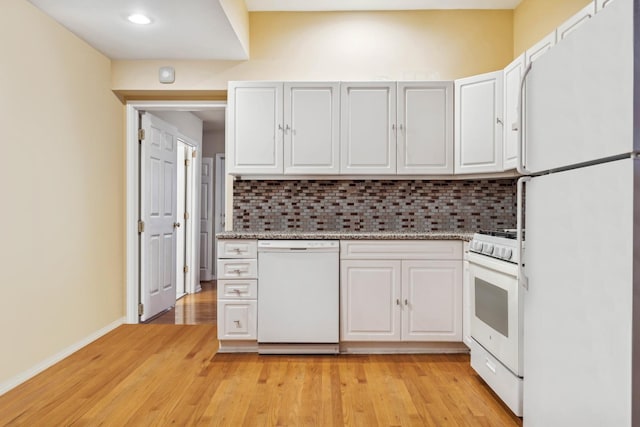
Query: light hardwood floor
(192, 309)
(167, 374)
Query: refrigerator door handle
(523, 280)
(522, 170)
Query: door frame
(219, 189)
(132, 183)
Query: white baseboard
(47, 363)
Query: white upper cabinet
(576, 21)
(368, 126)
(311, 128)
(540, 48)
(254, 128)
(479, 123)
(601, 4)
(425, 128)
(512, 81)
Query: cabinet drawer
(237, 248)
(238, 289)
(237, 320)
(401, 249)
(237, 269)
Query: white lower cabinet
(431, 301)
(370, 300)
(401, 299)
(237, 319)
(237, 290)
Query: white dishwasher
(298, 296)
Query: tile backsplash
(362, 205)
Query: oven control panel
(495, 247)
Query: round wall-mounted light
(138, 18)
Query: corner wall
(62, 186)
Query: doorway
(133, 193)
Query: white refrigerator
(582, 220)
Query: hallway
(192, 309)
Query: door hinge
(186, 215)
(187, 162)
(140, 134)
(140, 309)
(194, 153)
(186, 269)
(140, 226)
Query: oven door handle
(523, 280)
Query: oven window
(492, 306)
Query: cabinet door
(370, 300)
(368, 125)
(540, 48)
(575, 21)
(601, 4)
(425, 128)
(432, 300)
(237, 320)
(478, 118)
(311, 128)
(254, 128)
(512, 80)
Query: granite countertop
(348, 235)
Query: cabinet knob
(237, 322)
(397, 301)
(406, 302)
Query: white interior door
(191, 238)
(158, 182)
(206, 219)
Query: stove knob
(487, 248)
(507, 254)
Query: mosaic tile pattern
(360, 205)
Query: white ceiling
(180, 29)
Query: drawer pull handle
(490, 365)
(237, 291)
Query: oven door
(496, 309)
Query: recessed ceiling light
(138, 18)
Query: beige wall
(425, 45)
(62, 187)
(534, 19)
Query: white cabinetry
(601, 4)
(311, 128)
(237, 290)
(479, 123)
(254, 128)
(370, 300)
(401, 291)
(368, 126)
(277, 128)
(512, 80)
(425, 128)
(540, 48)
(575, 21)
